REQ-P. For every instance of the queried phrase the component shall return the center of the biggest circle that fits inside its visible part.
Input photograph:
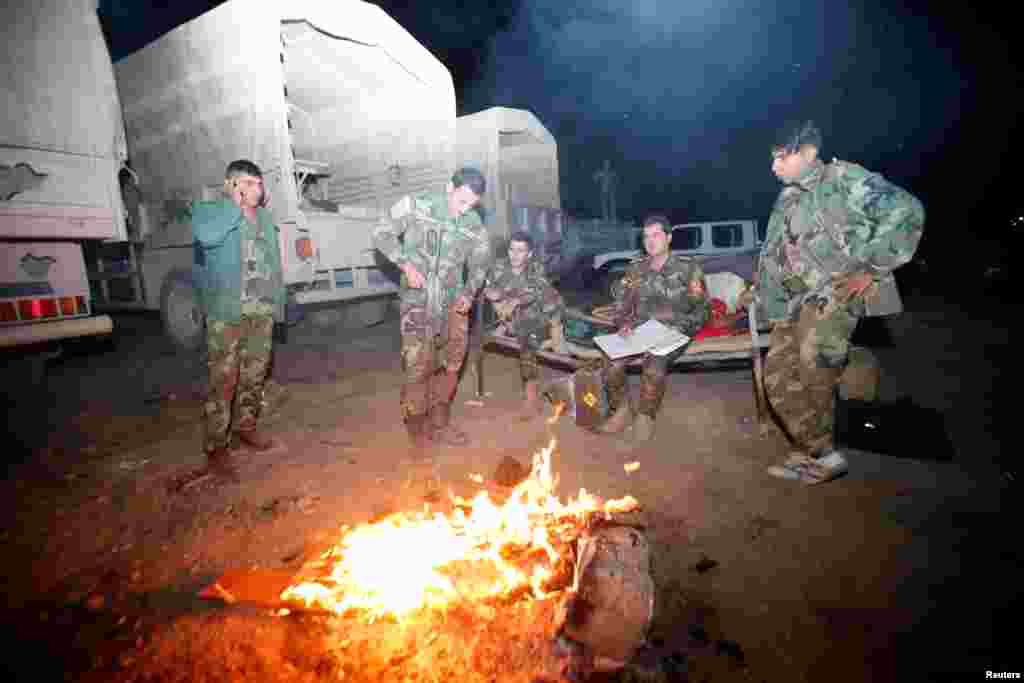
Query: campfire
(482, 552)
(511, 585)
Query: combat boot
(620, 419)
(443, 430)
(643, 427)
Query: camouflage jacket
(418, 230)
(664, 294)
(538, 300)
(839, 218)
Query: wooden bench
(748, 346)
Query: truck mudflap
(35, 333)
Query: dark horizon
(685, 100)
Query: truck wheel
(180, 310)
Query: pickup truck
(720, 246)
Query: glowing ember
(482, 550)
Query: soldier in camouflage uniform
(835, 235)
(433, 237)
(237, 273)
(527, 307)
(671, 290)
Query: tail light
(8, 312)
(28, 310)
(304, 248)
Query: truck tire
(182, 315)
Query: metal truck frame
(342, 109)
(61, 145)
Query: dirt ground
(905, 568)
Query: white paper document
(654, 337)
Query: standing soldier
(433, 238)
(669, 289)
(238, 278)
(835, 235)
(526, 305)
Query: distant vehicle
(719, 245)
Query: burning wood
(525, 590)
(482, 551)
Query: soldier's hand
(492, 294)
(745, 299)
(462, 305)
(626, 330)
(413, 276)
(696, 288)
(852, 285)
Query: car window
(686, 238)
(726, 236)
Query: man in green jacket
(237, 272)
(434, 237)
(834, 237)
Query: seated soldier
(527, 307)
(669, 289)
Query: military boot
(443, 430)
(643, 427)
(620, 419)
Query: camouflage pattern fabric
(806, 360)
(257, 271)
(539, 304)
(238, 358)
(430, 362)
(653, 382)
(673, 295)
(418, 230)
(837, 219)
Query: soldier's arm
(212, 221)
(769, 280)
(892, 227)
(625, 309)
(477, 264)
(392, 225)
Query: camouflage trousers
(530, 333)
(238, 358)
(430, 362)
(806, 360)
(653, 382)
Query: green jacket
(418, 230)
(217, 268)
(838, 218)
(539, 302)
(663, 294)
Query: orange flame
(408, 562)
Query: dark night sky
(684, 97)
